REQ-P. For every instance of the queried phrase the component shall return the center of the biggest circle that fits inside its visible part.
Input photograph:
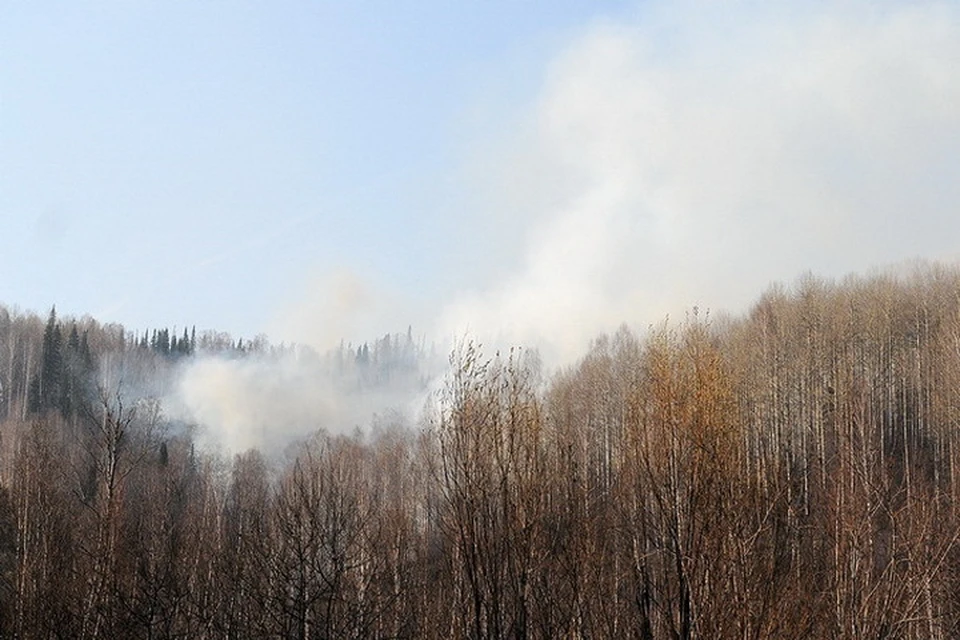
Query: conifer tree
(47, 387)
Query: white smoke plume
(344, 370)
(332, 307)
(269, 400)
(715, 147)
(687, 156)
(252, 402)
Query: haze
(528, 174)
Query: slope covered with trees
(791, 473)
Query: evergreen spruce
(46, 389)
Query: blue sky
(535, 171)
(199, 162)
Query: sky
(528, 172)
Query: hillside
(786, 473)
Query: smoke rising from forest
(686, 159)
(708, 149)
(270, 399)
(786, 472)
(253, 403)
(343, 371)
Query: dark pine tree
(46, 389)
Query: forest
(789, 472)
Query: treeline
(792, 473)
(58, 364)
(391, 360)
(63, 363)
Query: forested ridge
(788, 473)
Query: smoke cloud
(688, 156)
(247, 403)
(269, 400)
(715, 147)
(333, 307)
(344, 370)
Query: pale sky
(200, 162)
(319, 169)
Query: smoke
(270, 400)
(707, 149)
(333, 307)
(253, 403)
(688, 156)
(343, 370)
